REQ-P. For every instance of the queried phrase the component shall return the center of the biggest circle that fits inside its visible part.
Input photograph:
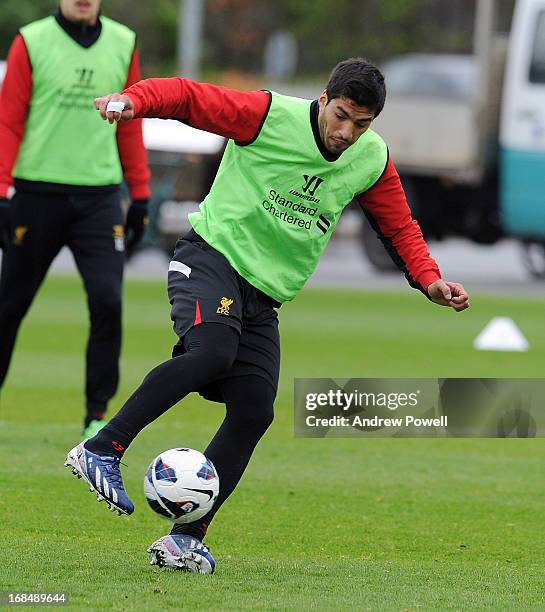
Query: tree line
(236, 31)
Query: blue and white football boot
(103, 476)
(182, 552)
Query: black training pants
(91, 225)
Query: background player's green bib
(65, 139)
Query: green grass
(325, 524)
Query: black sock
(210, 351)
(115, 443)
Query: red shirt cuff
(137, 104)
(140, 192)
(426, 279)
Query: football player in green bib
(66, 171)
(289, 169)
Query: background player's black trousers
(91, 225)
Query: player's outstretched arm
(230, 113)
(445, 293)
(124, 113)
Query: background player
(67, 170)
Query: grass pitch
(316, 523)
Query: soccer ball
(181, 485)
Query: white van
(522, 132)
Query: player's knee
(257, 417)
(250, 405)
(263, 417)
(104, 303)
(254, 409)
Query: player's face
(82, 11)
(341, 122)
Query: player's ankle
(108, 441)
(94, 411)
(195, 530)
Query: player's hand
(114, 117)
(135, 226)
(5, 223)
(449, 294)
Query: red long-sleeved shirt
(239, 115)
(15, 98)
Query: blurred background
(464, 118)
(235, 33)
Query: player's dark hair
(360, 81)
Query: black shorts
(203, 287)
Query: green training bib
(275, 202)
(65, 139)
